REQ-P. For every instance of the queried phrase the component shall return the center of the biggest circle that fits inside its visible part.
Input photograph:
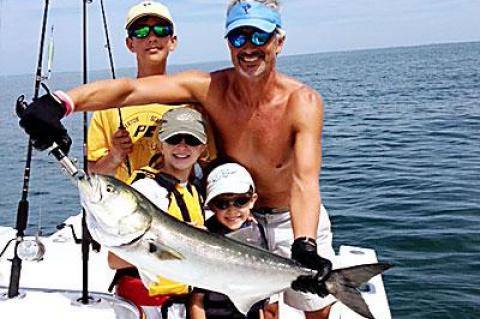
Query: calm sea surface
(401, 168)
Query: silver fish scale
(193, 241)
(180, 252)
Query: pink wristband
(70, 107)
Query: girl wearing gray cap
(183, 139)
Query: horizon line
(280, 57)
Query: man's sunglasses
(238, 38)
(223, 203)
(141, 32)
(189, 140)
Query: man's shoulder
(221, 75)
(296, 88)
(300, 93)
(304, 103)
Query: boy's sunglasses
(223, 203)
(189, 140)
(238, 38)
(141, 32)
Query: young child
(230, 195)
(183, 139)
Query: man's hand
(304, 250)
(41, 120)
(121, 145)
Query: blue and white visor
(252, 14)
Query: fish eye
(110, 188)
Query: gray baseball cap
(183, 120)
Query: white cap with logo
(148, 8)
(228, 178)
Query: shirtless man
(268, 122)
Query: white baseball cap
(228, 178)
(146, 9)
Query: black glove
(304, 250)
(41, 120)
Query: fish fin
(344, 284)
(243, 303)
(164, 252)
(250, 235)
(352, 298)
(355, 276)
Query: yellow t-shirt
(142, 124)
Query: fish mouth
(90, 188)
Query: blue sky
(312, 26)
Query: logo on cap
(246, 7)
(224, 173)
(187, 117)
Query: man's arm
(307, 108)
(307, 115)
(185, 87)
(41, 119)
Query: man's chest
(255, 135)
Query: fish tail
(344, 284)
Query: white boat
(51, 287)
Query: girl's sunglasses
(239, 37)
(141, 32)
(223, 203)
(177, 139)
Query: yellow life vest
(185, 205)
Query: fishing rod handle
(65, 161)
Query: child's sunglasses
(141, 32)
(239, 37)
(189, 140)
(223, 203)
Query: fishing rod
(86, 239)
(51, 51)
(109, 48)
(112, 68)
(23, 204)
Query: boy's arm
(116, 262)
(196, 307)
(121, 146)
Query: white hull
(60, 304)
(59, 276)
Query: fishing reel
(31, 249)
(21, 105)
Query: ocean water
(401, 165)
